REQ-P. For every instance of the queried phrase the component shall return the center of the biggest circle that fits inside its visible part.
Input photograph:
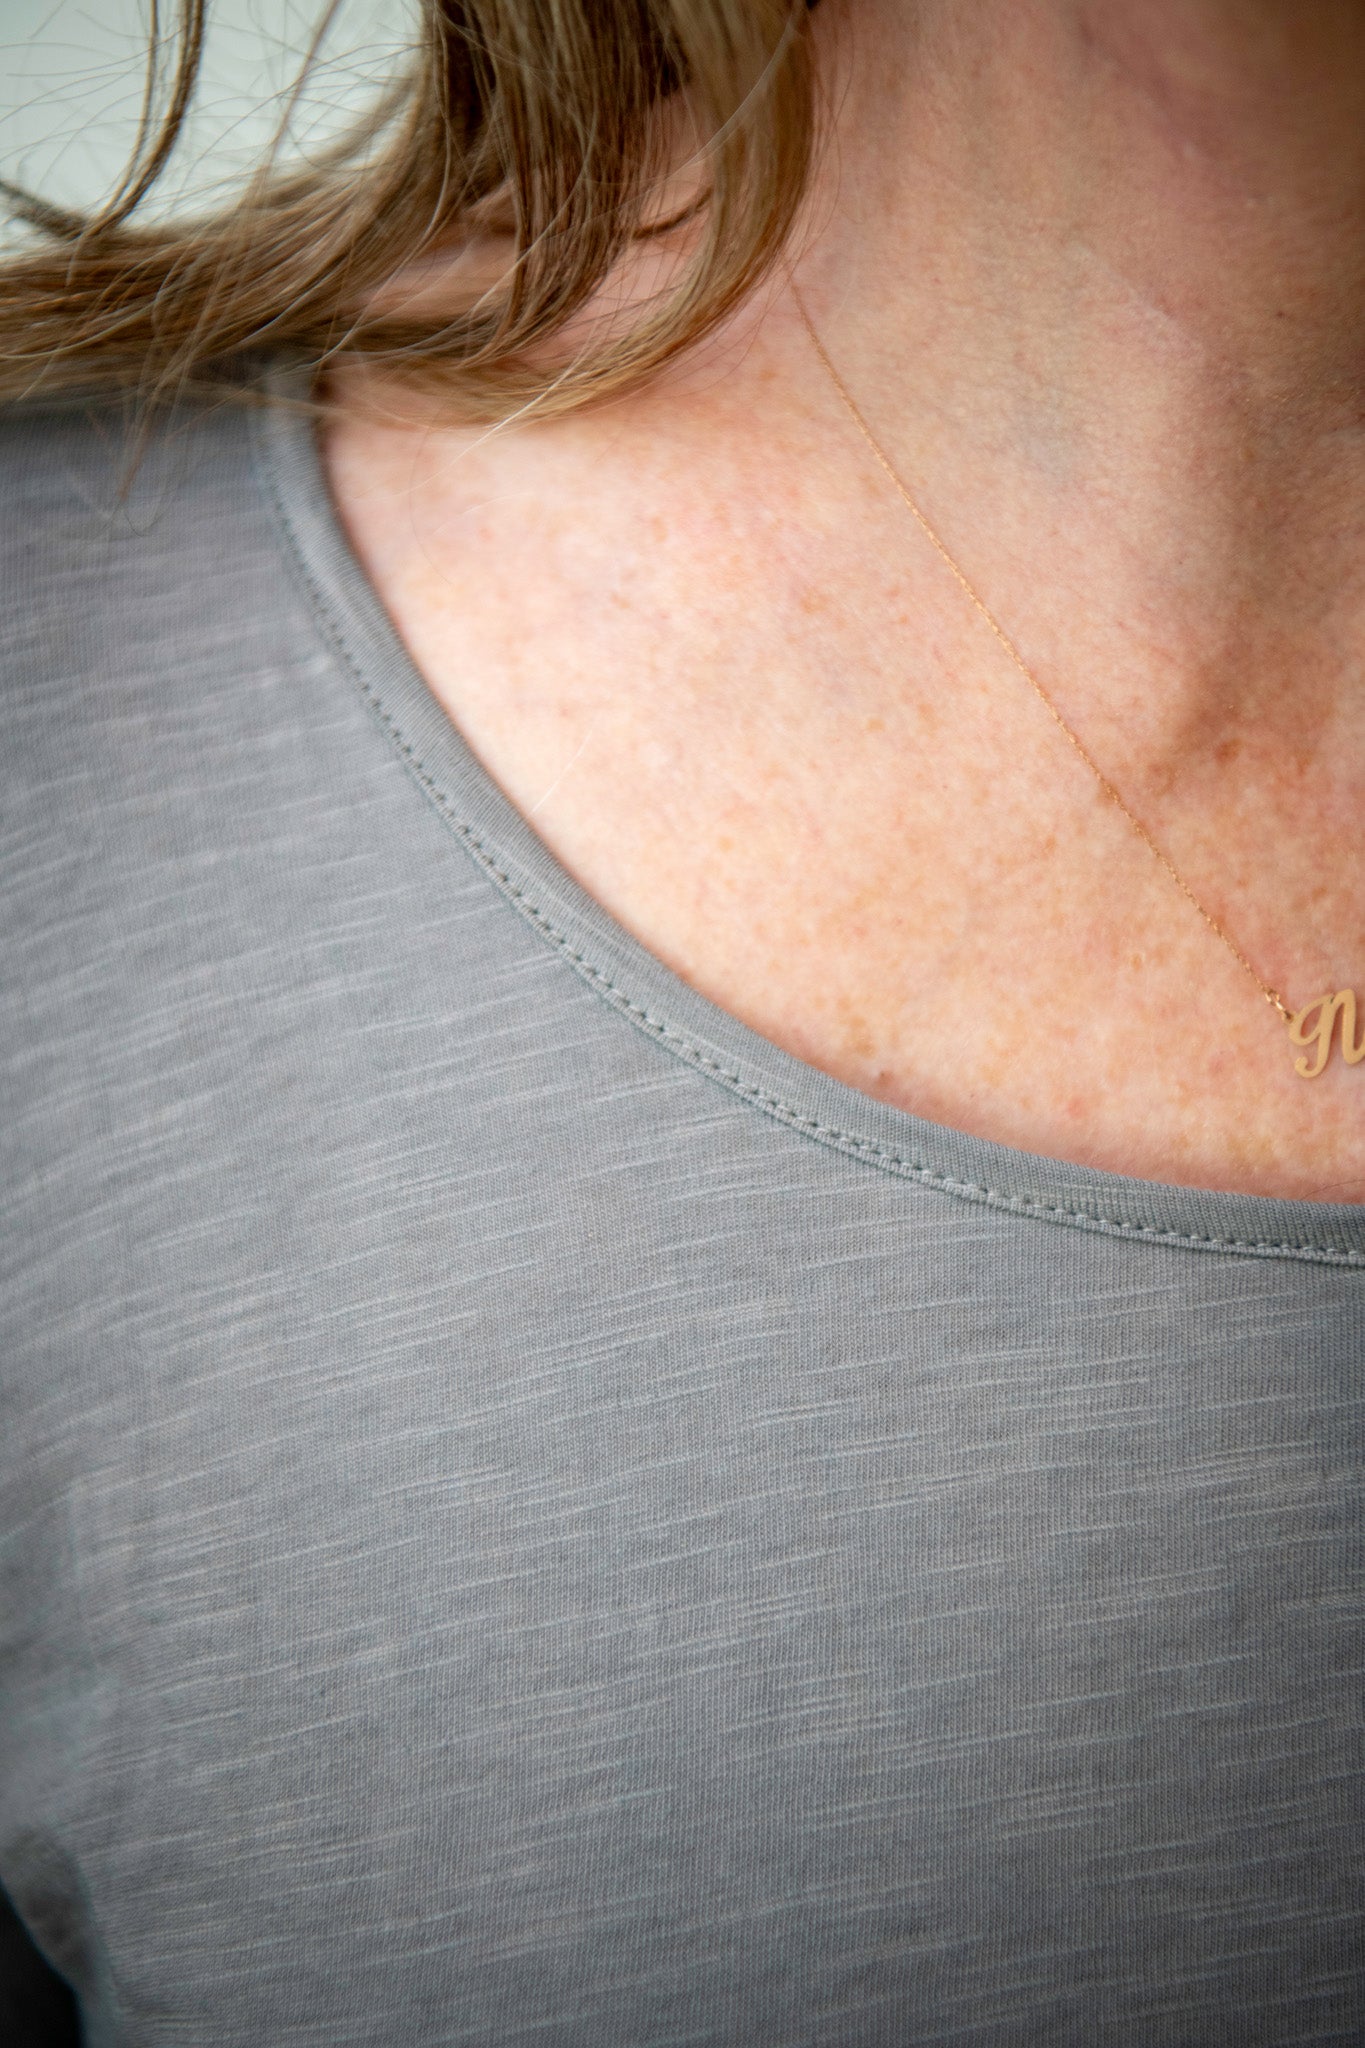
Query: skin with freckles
(1096, 274)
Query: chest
(806, 783)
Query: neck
(1189, 175)
(1097, 270)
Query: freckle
(874, 725)
(1228, 750)
(857, 1036)
(1137, 960)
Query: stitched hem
(833, 1136)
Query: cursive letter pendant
(1314, 1024)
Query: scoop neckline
(352, 620)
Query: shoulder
(162, 678)
(93, 461)
(141, 579)
(105, 502)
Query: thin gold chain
(932, 535)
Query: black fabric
(37, 2009)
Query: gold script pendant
(1315, 1025)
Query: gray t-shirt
(530, 1517)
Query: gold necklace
(1314, 1027)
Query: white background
(71, 83)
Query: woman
(685, 1298)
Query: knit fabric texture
(530, 1518)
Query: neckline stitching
(832, 1136)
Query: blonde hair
(553, 124)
